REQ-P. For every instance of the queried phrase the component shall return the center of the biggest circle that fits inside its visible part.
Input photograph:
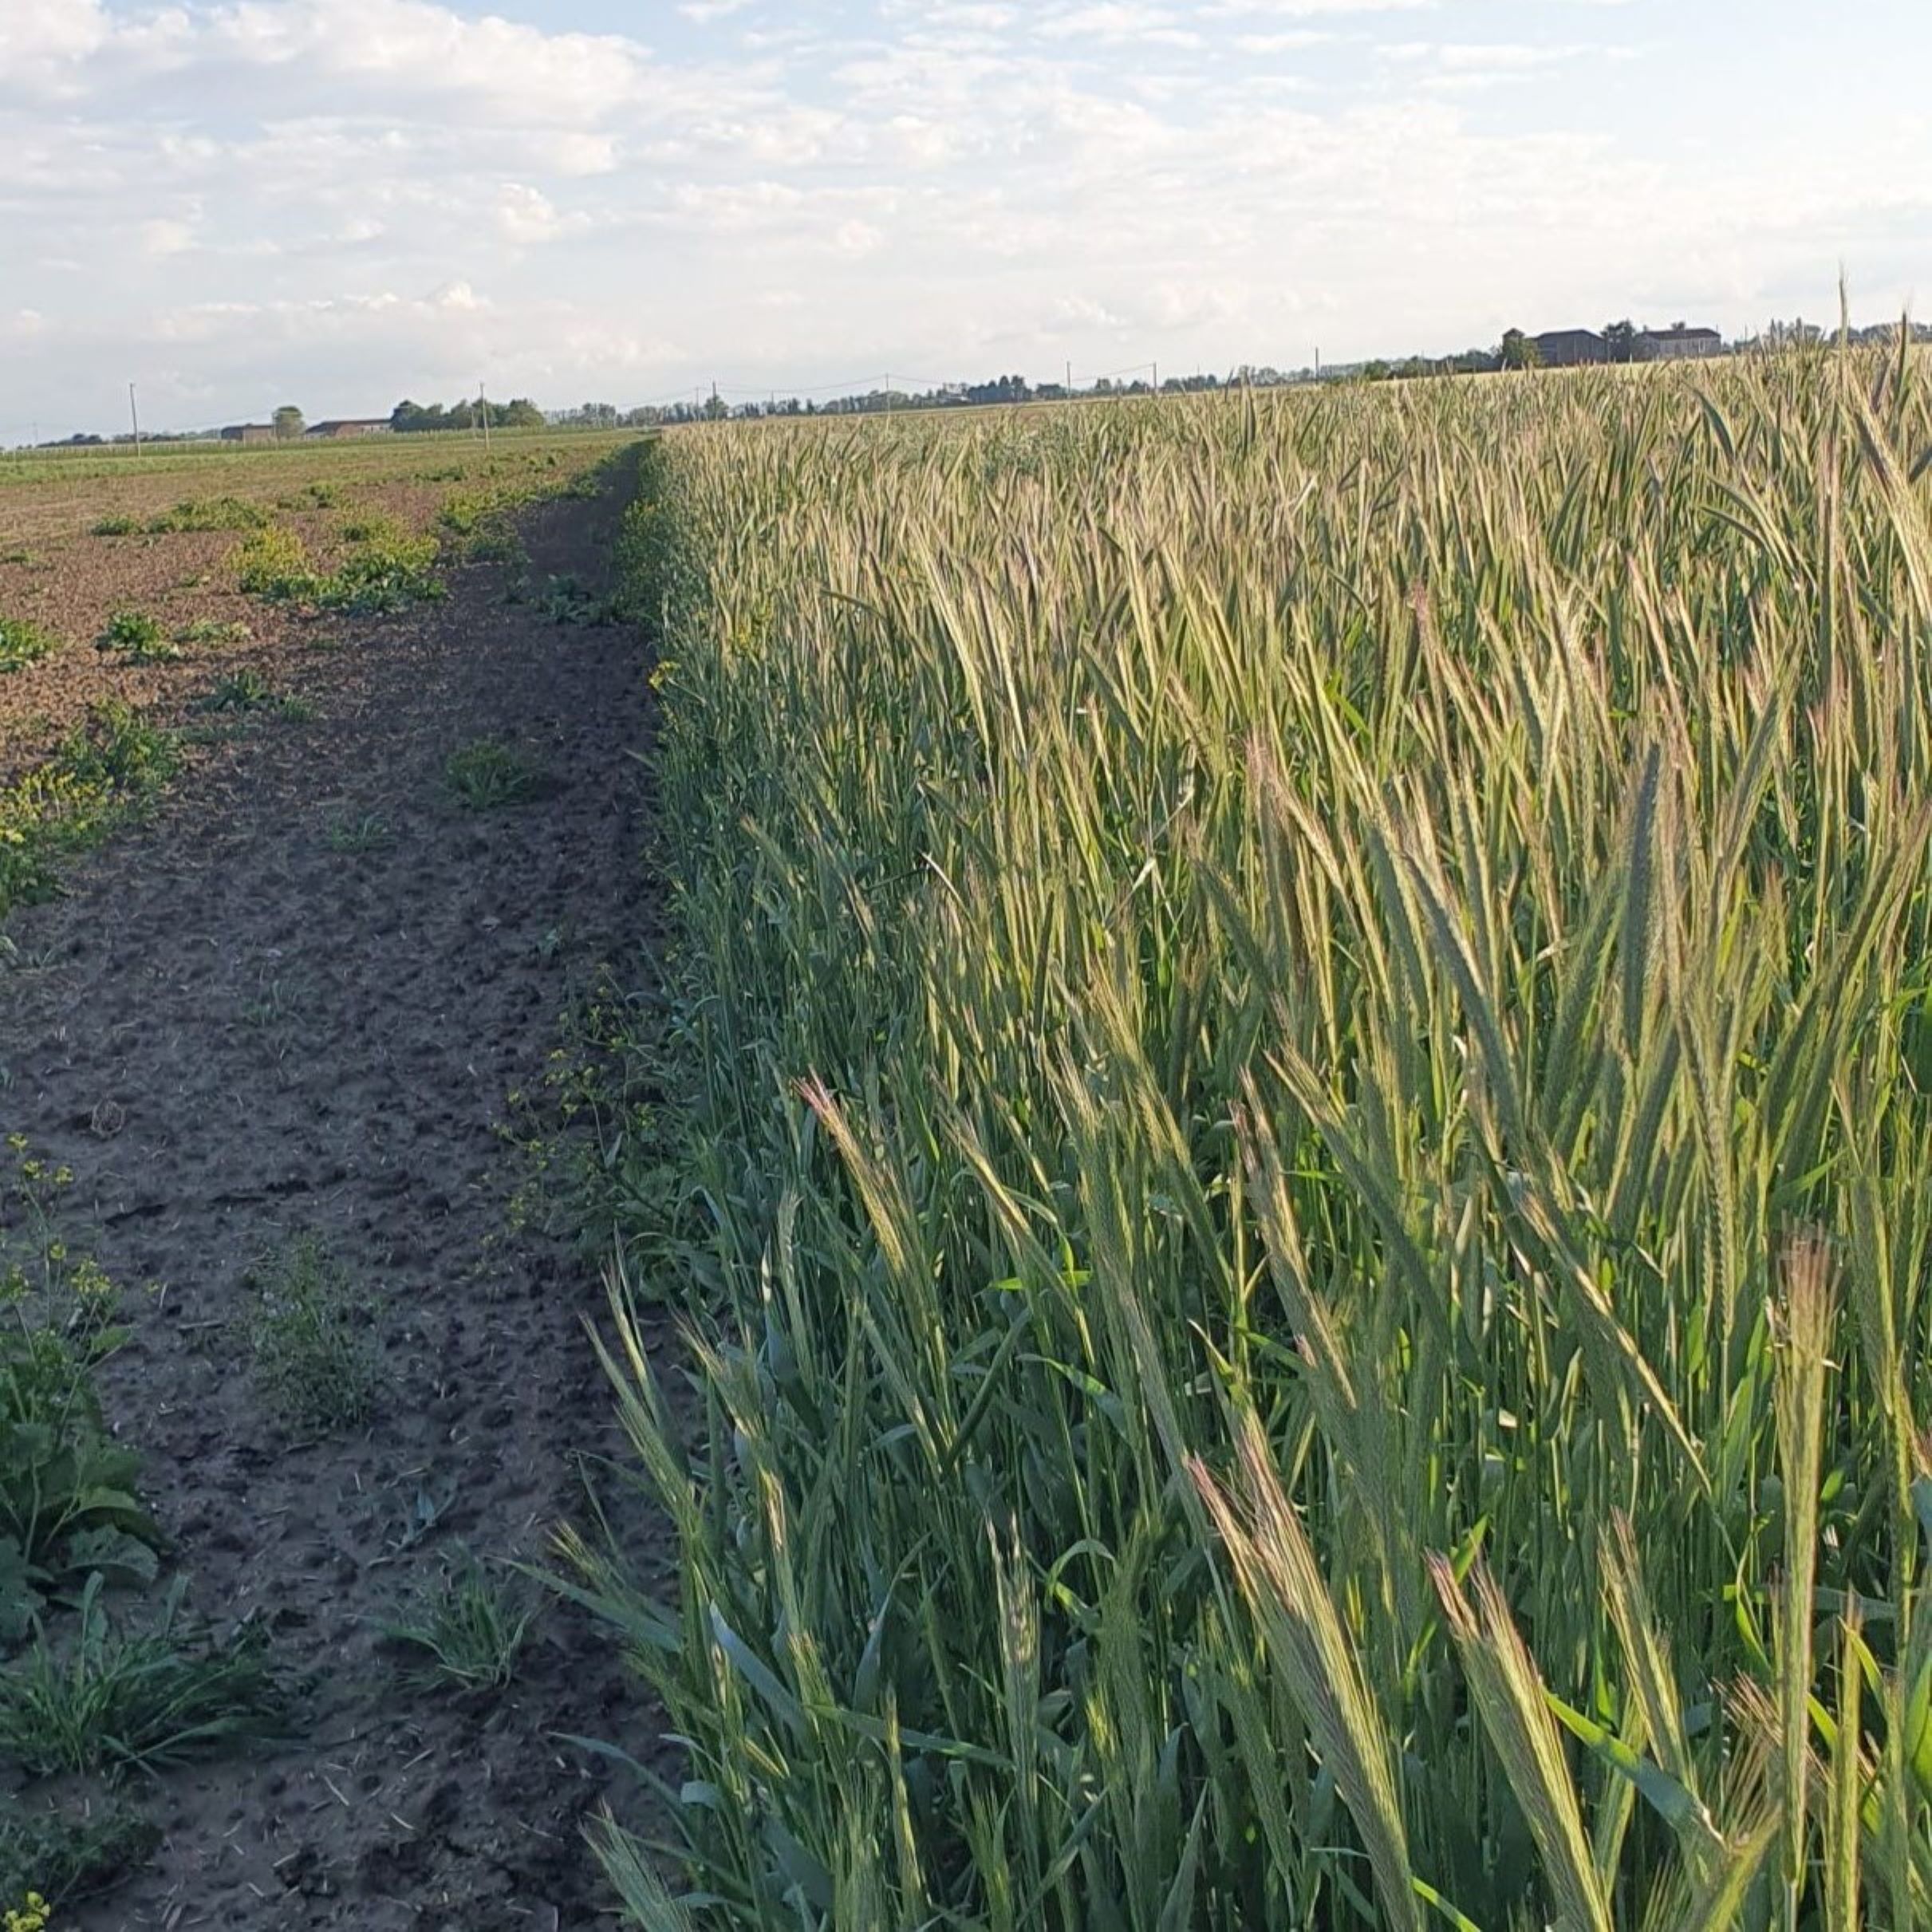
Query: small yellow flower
(30, 1917)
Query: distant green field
(359, 455)
(1304, 1180)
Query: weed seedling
(369, 833)
(467, 1628)
(274, 565)
(243, 690)
(310, 1330)
(209, 513)
(420, 1518)
(486, 775)
(209, 630)
(67, 1501)
(137, 638)
(270, 1011)
(110, 1701)
(69, 1852)
(566, 601)
(22, 644)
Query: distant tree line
(412, 418)
(1516, 350)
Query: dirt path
(294, 1005)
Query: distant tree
(288, 422)
(1518, 352)
(521, 413)
(1620, 340)
(715, 410)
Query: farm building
(351, 426)
(249, 432)
(1564, 349)
(1677, 342)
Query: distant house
(1677, 344)
(351, 426)
(249, 432)
(1568, 349)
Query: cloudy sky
(240, 202)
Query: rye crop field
(1302, 1030)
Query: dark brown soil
(236, 1032)
(57, 574)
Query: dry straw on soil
(1308, 1197)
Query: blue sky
(238, 203)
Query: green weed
(371, 526)
(389, 572)
(487, 774)
(467, 1627)
(464, 511)
(112, 1700)
(369, 832)
(311, 1331)
(107, 767)
(22, 643)
(67, 1488)
(137, 637)
(212, 631)
(566, 599)
(274, 565)
(210, 513)
(241, 691)
(71, 1850)
(495, 546)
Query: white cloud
(857, 239)
(525, 216)
(160, 239)
(34, 30)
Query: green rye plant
(1304, 1060)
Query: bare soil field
(61, 569)
(286, 1017)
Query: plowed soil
(295, 1004)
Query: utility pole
(1157, 379)
(483, 409)
(1069, 378)
(888, 391)
(134, 411)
